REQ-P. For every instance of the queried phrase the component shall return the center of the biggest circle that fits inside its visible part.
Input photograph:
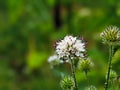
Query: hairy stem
(73, 74)
(111, 50)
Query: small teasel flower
(91, 88)
(70, 48)
(85, 64)
(54, 60)
(67, 83)
(111, 35)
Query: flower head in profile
(85, 65)
(70, 48)
(53, 60)
(111, 35)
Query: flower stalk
(68, 50)
(73, 74)
(111, 51)
(111, 37)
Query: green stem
(111, 50)
(73, 74)
(86, 77)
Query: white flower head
(54, 60)
(70, 48)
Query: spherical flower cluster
(70, 48)
(91, 88)
(85, 65)
(111, 35)
(53, 60)
(67, 83)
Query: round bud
(85, 65)
(67, 83)
(111, 35)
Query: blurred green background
(30, 28)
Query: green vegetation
(28, 32)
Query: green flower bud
(67, 83)
(91, 88)
(113, 75)
(85, 65)
(111, 35)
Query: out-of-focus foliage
(28, 33)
